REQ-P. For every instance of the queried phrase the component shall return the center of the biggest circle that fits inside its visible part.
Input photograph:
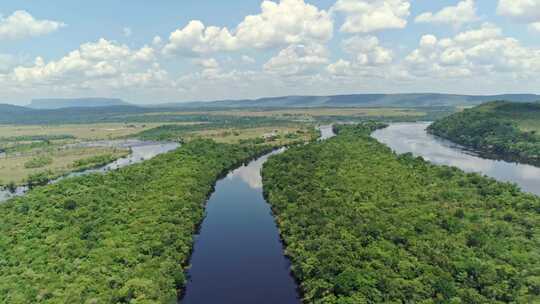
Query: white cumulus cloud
(367, 50)
(523, 11)
(535, 26)
(298, 59)
(279, 24)
(363, 16)
(340, 68)
(464, 12)
(210, 63)
(247, 59)
(197, 38)
(101, 63)
(478, 52)
(21, 25)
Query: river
(140, 151)
(238, 255)
(413, 138)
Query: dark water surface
(412, 137)
(238, 256)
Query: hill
(58, 111)
(20, 115)
(500, 129)
(59, 103)
(360, 100)
(7, 109)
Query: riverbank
(138, 151)
(498, 130)
(363, 224)
(413, 138)
(129, 230)
(239, 225)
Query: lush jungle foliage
(503, 129)
(363, 225)
(120, 237)
(94, 162)
(38, 162)
(178, 132)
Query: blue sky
(206, 50)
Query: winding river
(413, 138)
(140, 151)
(238, 255)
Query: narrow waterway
(413, 138)
(238, 256)
(140, 151)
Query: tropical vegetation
(499, 129)
(120, 237)
(38, 162)
(364, 225)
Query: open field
(529, 125)
(79, 131)
(309, 112)
(273, 135)
(36, 149)
(16, 169)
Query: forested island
(499, 129)
(364, 225)
(120, 237)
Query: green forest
(499, 129)
(120, 237)
(364, 225)
(177, 132)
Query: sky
(174, 51)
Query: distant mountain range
(359, 100)
(10, 114)
(87, 110)
(60, 103)
(353, 100)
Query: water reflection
(140, 151)
(326, 132)
(251, 174)
(413, 138)
(238, 257)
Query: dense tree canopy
(364, 225)
(120, 237)
(502, 129)
(177, 132)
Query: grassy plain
(304, 112)
(529, 125)
(278, 135)
(79, 131)
(13, 169)
(268, 126)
